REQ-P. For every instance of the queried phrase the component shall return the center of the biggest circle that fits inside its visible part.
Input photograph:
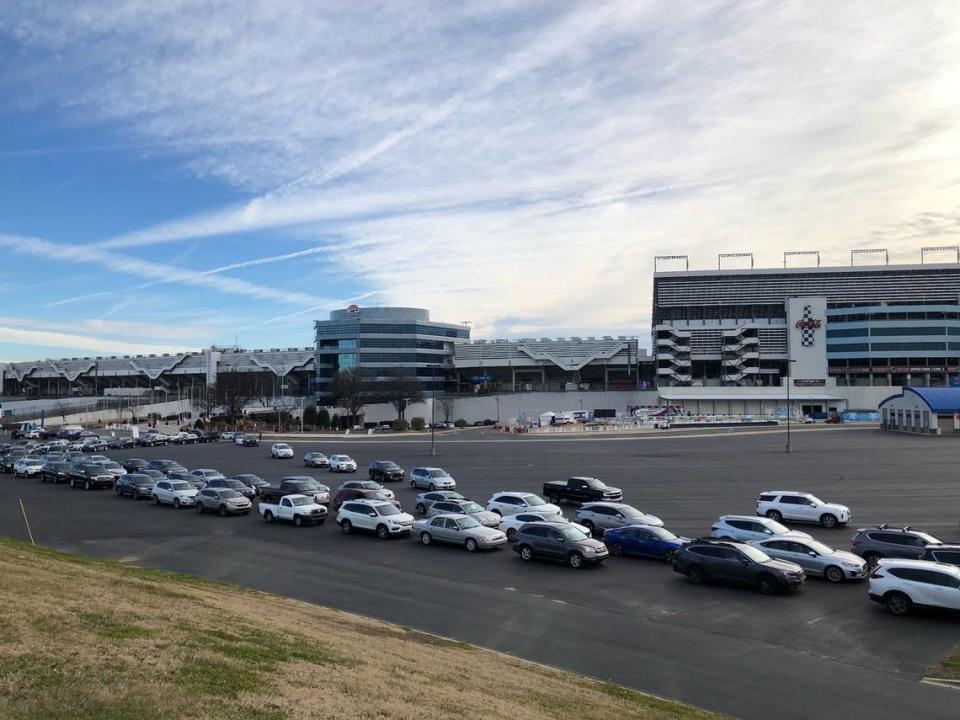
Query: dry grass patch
(85, 639)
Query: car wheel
(872, 558)
(298, 520)
(767, 585)
(575, 560)
(669, 555)
(413, 483)
(526, 553)
(421, 508)
(828, 521)
(511, 534)
(200, 508)
(176, 503)
(471, 545)
(268, 516)
(497, 512)
(695, 575)
(432, 487)
(588, 524)
(775, 515)
(898, 604)
(426, 538)
(156, 500)
(833, 574)
(222, 511)
(347, 527)
(616, 549)
(118, 490)
(87, 485)
(382, 532)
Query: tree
(351, 389)
(401, 389)
(233, 392)
(310, 415)
(208, 399)
(323, 418)
(445, 406)
(335, 422)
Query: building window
(905, 346)
(905, 331)
(852, 347)
(348, 360)
(847, 332)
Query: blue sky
(180, 174)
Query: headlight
(589, 550)
(852, 565)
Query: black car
(385, 471)
(90, 476)
(709, 560)
(121, 443)
(166, 466)
(254, 481)
(56, 472)
(152, 473)
(10, 459)
(132, 465)
(135, 485)
(183, 475)
(232, 484)
(249, 441)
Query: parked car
(949, 554)
(316, 460)
(648, 541)
(511, 503)
(708, 560)
(56, 472)
(383, 518)
(464, 507)
(600, 516)
(152, 473)
(463, 530)
(90, 476)
(223, 501)
(782, 505)
(184, 438)
(342, 463)
(366, 485)
(166, 466)
(246, 441)
(120, 443)
(902, 585)
(135, 485)
(187, 477)
(816, 558)
(207, 474)
(747, 528)
(580, 490)
(298, 509)
(431, 478)
(28, 466)
(132, 465)
(385, 471)
(551, 541)
(253, 481)
(280, 451)
(511, 523)
(223, 483)
(114, 468)
(303, 485)
(346, 494)
(10, 458)
(882, 541)
(174, 492)
(228, 435)
(424, 500)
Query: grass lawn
(92, 640)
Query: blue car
(643, 541)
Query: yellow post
(27, 522)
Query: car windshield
(533, 500)
(438, 473)
(181, 486)
(929, 539)
(388, 465)
(305, 484)
(112, 466)
(301, 501)
(663, 534)
(250, 478)
(230, 494)
(387, 510)
(143, 481)
(776, 527)
(472, 507)
(235, 484)
(815, 499)
(572, 534)
(630, 512)
(754, 554)
(281, 446)
(819, 547)
(380, 495)
(367, 485)
(467, 523)
(593, 483)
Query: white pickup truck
(298, 509)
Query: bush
(335, 421)
(400, 425)
(418, 424)
(323, 418)
(460, 423)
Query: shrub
(323, 418)
(460, 423)
(401, 424)
(418, 424)
(335, 421)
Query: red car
(360, 494)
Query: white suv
(746, 528)
(281, 450)
(801, 506)
(432, 478)
(902, 584)
(511, 503)
(383, 518)
(174, 492)
(342, 463)
(27, 467)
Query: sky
(175, 174)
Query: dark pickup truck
(580, 490)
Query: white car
(183, 438)
(227, 435)
(27, 467)
(902, 585)
(281, 450)
(511, 523)
(207, 474)
(379, 516)
(342, 463)
(511, 503)
(783, 505)
(431, 478)
(747, 528)
(174, 492)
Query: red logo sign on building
(353, 309)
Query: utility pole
(789, 406)
(433, 410)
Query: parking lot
(635, 622)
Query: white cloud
(519, 165)
(47, 338)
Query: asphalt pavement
(826, 649)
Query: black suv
(135, 485)
(56, 472)
(725, 561)
(385, 471)
(883, 541)
(90, 476)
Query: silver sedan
(816, 558)
(464, 507)
(223, 501)
(460, 530)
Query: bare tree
(234, 391)
(445, 405)
(351, 390)
(207, 399)
(400, 389)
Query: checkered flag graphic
(806, 332)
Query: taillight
(854, 542)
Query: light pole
(301, 414)
(789, 407)
(433, 410)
